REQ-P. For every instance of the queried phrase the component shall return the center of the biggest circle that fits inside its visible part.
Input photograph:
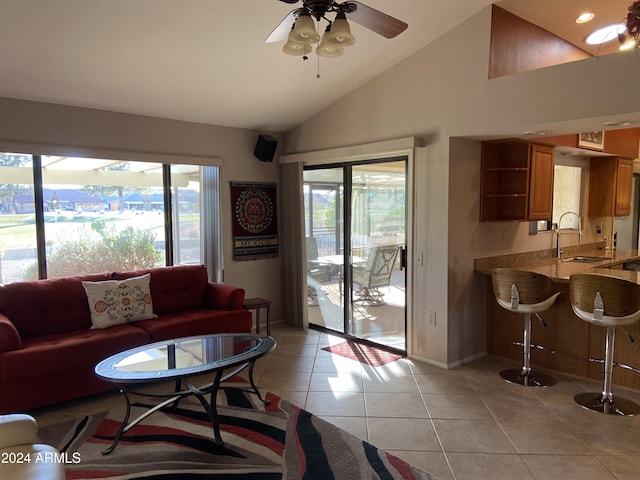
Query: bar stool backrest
(535, 291)
(619, 304)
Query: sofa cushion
(45, 307)
(50, 355)
(196, 322)
(119, 301)
(174, 289)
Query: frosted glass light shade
(296, 48)
(304, 30)
(340, 32)
(328, 50)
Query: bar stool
(606, 302)
(528, 293)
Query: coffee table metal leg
(213, 407)
(209, 407)
(123, 425)
(253, 385)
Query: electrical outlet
(431, 318)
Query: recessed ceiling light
(537, 132)
(621, 123)
(605, 34)
(585, 17)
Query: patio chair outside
(374, 274)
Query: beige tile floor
(464, 423)
(456, 424)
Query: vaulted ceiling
(206, 60)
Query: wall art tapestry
(255, 223)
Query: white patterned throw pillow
(119, 301)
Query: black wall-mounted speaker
(265, 148)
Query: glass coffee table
(178, 360)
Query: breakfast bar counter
(573, 340)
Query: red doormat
(363, 353)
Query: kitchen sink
(584, 259)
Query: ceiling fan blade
(281, 32)
(379, 22)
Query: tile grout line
(433, 426)
(517, 453)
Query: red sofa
(48, 349)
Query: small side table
(256, 304)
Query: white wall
(77, 131)
(441, 93)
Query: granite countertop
(610, 263)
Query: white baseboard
(450, 365)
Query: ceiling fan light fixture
(296, 49)
(304, 30)
(340, 32)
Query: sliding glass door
(324, 240)
(355, 221)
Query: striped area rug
(276, 441)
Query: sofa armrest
(224, 297)
(17, 429)
(9, 336)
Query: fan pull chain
(318, 50)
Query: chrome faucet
(558, 250)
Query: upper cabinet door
(541, 178)
(624, 183)
(610, 181)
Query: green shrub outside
(102, 250)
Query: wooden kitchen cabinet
(610, 182)
(623, 143)
(517, 181)
(617, 143)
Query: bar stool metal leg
(525, 376)
(604, 401)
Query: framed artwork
(591, 140)
(255, 225)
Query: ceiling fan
(299, 30)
